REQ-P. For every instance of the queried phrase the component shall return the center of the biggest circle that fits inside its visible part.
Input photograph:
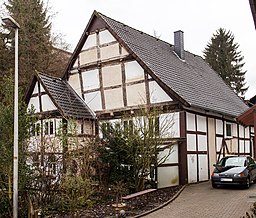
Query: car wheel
(247, 185)
(214, 185)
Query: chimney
(179, 44)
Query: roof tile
(192, 79)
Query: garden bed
(135, 206)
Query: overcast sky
(199, 19)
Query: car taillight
(215, 174)
(242, 175)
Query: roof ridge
(49, 76)
(142, 32)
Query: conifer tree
(34, 37)
(36, 43)
(223, 56)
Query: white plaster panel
(133, 71)
(231, 144)
(191, 142)
(167, 176)
(106, 37)
(136, 94)
(157, 94)
(241, 131)
(201, 123)
(93, 100)
(234, 129)
(110, 51)
(192, 168)
(203, 167)
(47, 104)
(247, 146)
(241, 146)
(91, 79)
(41, 88)
(35, 102)
(74, 82)
(88, 56)
(170, 125)
(202, 142)
(114, 98)
(171, 155)
(76, 63)
(190, 122)
(218, 143)
(35, 91)
(90, 41)
(58, 125)
(124, 52)
(247, 132)
(112, 75)
(219, 127)
(252, 129)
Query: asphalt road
(201, 200)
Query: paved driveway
(201, 200)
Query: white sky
(199, 19)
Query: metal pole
(16, 131)
(9, 21)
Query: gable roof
(64, 97)
(192, 81)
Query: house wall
(108, 78)
(197, 148)
(40, 101)
(205, 145)
(46, 146)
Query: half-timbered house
(59, 110)
(116, 69)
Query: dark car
(234, 170)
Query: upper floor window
(228, 129)
(35, 130)
(49, 128)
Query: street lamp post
(9, 21)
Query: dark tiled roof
(70, 104)
(193, 80)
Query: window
(105, 129)
(46, 128)
(37, 129)
(154, 126)
(51, 127)
(128, 126)
(228, 130)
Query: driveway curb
(163, 205)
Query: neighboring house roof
(192, 81)
(248, 118)
(64, 97)
(253, 9)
